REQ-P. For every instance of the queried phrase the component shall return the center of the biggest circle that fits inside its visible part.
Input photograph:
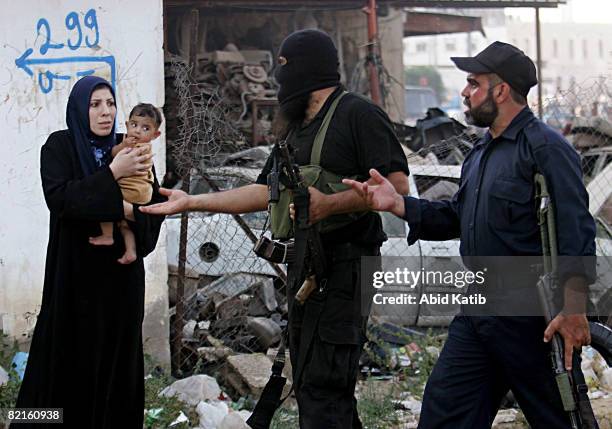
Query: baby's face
(141, 129)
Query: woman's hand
(131, 162)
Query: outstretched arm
(246, 199)
(322, 205)
(428, 220)
(378, 193)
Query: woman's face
(102, 111)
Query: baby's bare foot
(101, 240)
(127, 258)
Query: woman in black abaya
(86, 354)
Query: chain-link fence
(584, 115)
(225, 300)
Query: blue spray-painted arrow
(23, 62)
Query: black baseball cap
(505, 60)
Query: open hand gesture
(379, 193)
(178, 202)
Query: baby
(142, 128)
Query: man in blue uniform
(494, 214)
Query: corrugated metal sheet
(355, 4)
(428, 23)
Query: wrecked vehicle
(437, 136)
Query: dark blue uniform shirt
(494, 212)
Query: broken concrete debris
(264, 300)
(266, 330)
(505, 416)
(237, 313)
(215, 354)
(248, 373)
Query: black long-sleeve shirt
(493, 212)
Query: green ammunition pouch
(316, 176)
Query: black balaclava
(307, 61)
(94, 151)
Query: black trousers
(482, 359)
(329, 330)
(326, 395)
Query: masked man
(338, 134)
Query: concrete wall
(44, 46)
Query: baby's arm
(127, 142)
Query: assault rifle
(573, 395)
(308, 247)
(309, 258)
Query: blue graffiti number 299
(73, 23)
(82, 31)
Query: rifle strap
(313, 307)
(270, 398)
(317, 146)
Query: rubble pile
(237, 313)
(214, 408)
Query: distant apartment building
(572, 53)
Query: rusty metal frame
(256, 103)
(358, 4)
(431, 23)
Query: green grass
(376, 410)
(10, 390)
(413, 378)
(162, 411)
(285, 419)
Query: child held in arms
(142, 128)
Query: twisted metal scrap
(204, 131)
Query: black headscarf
(94, 151)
